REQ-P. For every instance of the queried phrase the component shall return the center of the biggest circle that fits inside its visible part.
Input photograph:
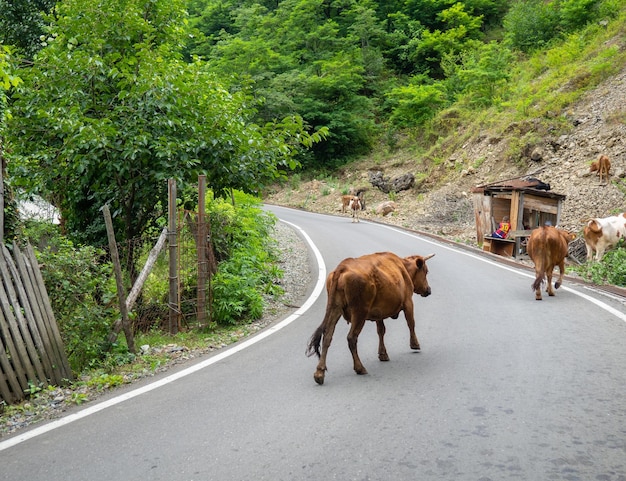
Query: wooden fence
(31, 350)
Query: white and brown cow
(353, 204)
(602, 234)
(355, 207)
(372, 287)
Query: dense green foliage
(365, 67)
(82, 291)
(109, 111)
(246, 255)
(611, 270)
(22, 24)
(247, 270)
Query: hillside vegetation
(569, 106)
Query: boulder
(386, 207)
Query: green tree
(480, 75)
(462, 31)
(8, 81)
(109, 111)
(576, 14)
(416, 103)
(22, 23)
(531, 24)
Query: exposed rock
(403, 182)
(385, 208)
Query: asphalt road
(505, 388)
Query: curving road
(505, 388)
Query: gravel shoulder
(55, 402)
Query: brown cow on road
(547, 247)
(372, 287)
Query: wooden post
(201, 245)
(143, 275)
(147, 268)
(173, 245)
(118, 279)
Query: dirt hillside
(598, 125)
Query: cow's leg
(589, 252)
(410, 322)
(326, 340)
(599, 251)
(382, 351)
(549, 272)
(558, 283)
(537, 284)
(356, 327)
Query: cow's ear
(420, 262)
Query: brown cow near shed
(371, 287)
(548, 247)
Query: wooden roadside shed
(528, 203)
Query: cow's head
(568, 236)
(418, 270)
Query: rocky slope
(598, 125)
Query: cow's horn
(429, 256)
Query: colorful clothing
(502, 231)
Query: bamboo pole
(173, 264)
(118, 279)
(201, 249)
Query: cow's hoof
(557, 285)
(319, 378)
(361, 371)
(383, 357)
(416, 347)
(538, 298)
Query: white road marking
(319, 286)
(617, 313)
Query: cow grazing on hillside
(372, 287)
(602, 234)
(547, 247)
(602, 166)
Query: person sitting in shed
(503, 228)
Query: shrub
(241, 235)
(81, 291)
(610, 270)
(530, 25)
(415, 104)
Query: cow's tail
(314, 342)
(316, 339)
(538, 281)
